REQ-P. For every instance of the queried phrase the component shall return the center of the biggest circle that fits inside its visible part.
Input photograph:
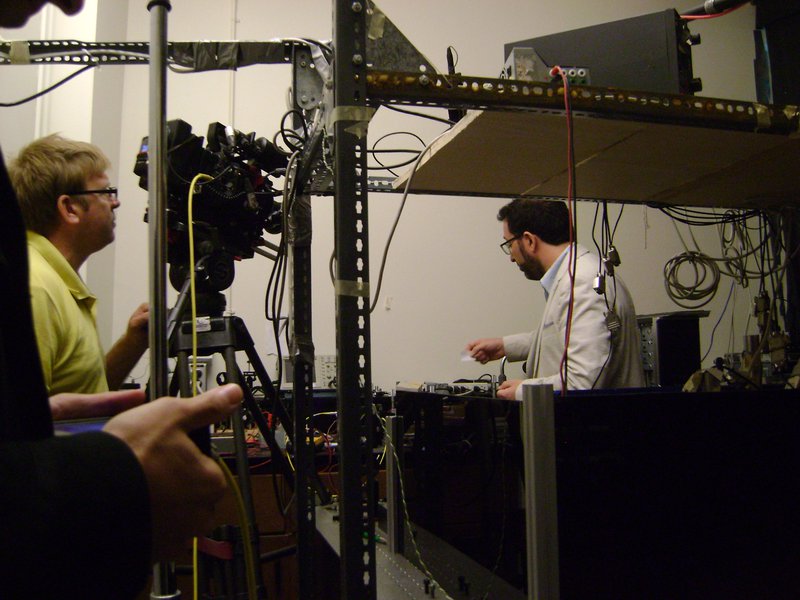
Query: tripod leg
(246, 344)
(242, 463)
(182, 371)
(276, 452)
(263, 376)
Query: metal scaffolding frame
(415, 82)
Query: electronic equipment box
(649, 53)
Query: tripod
(226, 335)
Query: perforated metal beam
(349, 118)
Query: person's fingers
(141, 314)
(125, 399)
(69, 7)
(506, 390)
(88, 406)
(112, 403)
(214, 480)
(210, 407)
(206, 518)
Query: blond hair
(47, 168)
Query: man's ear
(68, 209)
(531, 241)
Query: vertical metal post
(164, 584)
(299, 236)
(395, 514)
(349, 119)
(157, 196)
(538, 438)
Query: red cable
(328, 470)
(714, 16)
(563, 367)
(261, 464)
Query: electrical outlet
(325, 370)
(203, 372)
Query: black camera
(230, 211)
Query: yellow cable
(289, 458)
(194, 568)
(249, 559)
(193, 297)
(192, 293)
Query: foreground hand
(184, 483)
(93, 406)
(508, 389)
(486, 349)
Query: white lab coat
(597, 358)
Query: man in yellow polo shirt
(68, 207)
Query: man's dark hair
(547, 219)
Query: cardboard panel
(496, 153)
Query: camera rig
(230, 212)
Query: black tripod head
(213, 273)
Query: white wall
(447, 280)
(68, 109)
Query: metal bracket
(389, 49)
(308, 80)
